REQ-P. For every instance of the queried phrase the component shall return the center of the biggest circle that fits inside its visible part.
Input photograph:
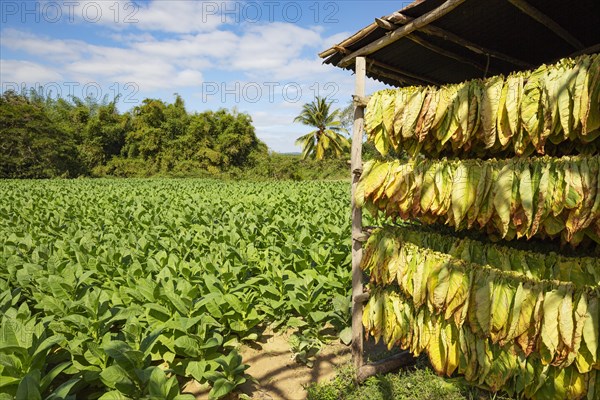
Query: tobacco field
(117, 289)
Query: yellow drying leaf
(549, 334)
(397, 177)
(591, 325)
(458, 294)
(428, 187)
(411, 112)
(558, 197)
(461, 110)
(427, 115)
(375, 178)
(394, 267)
(481, 180)
(470, 343)
(489, 109)
(502, 299)
(373, 114)
(359, 194)
(400, 102)
(377, 316)
(565, 319)
(550, 100)
(576, 384)
(513, 101)
(532, 108)
(560, 382)
(528, 340)
(402, 267)
(524, 302)
(448, 173)
(474, 121)
(436, 348)
(485, 357)
(390, 321)
(461, 193)
(410, 269)
(501, 369)
(423, 266)
(590, 112)
(566, 81)
(580, 316)
(482, 301)
(580, 89)
(574, 186)
(366, 315)
(450, 339)
(526, 194)
(542, 209)
(444, 108)
(502, 125)
(486, 209)
(581, 217)
(503, 195)
(419, 170)
(440, 290)
(387, 108)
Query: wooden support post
(356, 168)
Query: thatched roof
(449, 41)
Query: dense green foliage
(43, 137)
(419, 383)
(103, 281)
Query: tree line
(42, 137)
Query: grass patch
(418, 382)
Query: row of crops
(125, 289)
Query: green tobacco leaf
(29, 388)
(220, 388)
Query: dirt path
(279, 376)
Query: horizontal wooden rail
(403, 359)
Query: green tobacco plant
(119, 282)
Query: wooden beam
(588, 50)
(451, 37)
(418, 78)
(396, 361)
(548, 22)
(341, 49)
(356, 163)
(401, 32)
(349, 41)
(401, 79)
(385, 24)
(447, 53)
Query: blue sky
(260, 57)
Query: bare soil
(279, 376)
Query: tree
(31, 144)
(326, 140)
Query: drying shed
(437, 42)
(450, 41)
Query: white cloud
(25, 72)
(177, 16)
(43, 47)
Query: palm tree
(326, 140)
